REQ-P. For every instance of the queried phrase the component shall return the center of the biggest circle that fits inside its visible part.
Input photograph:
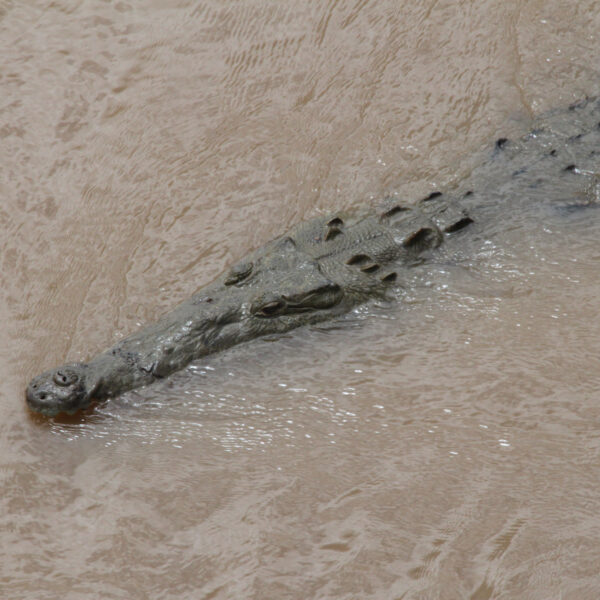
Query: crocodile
(325, 267)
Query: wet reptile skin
(327, 266)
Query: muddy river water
(443, 446)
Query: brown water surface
(445, 446)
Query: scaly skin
(324, 267)
(320, 269)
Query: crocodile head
(277, 289)
(60, 390)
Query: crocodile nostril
(64, 378)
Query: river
(445, 446)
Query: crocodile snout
(59, 390)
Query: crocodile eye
(271, 308)
(64, 378)
(238, 273)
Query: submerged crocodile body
(327, 266)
